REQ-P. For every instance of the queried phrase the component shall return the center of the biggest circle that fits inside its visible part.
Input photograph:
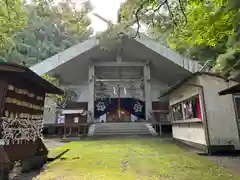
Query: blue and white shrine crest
(137, 107)
(101, 106)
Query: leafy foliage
(12, 19)
(69, 93)
(51, 28)
(54, 81)
(201, 30)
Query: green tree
(51, 28)
(12, 19)
(61, 100)
(201, 30)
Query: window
(192, 108)
(177, 112)
(188, 109)
(76, 119)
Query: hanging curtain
(101, 107)
(113, 104)
(138, 108)
(133, 106)
(198, 108)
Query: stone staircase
(121, 129)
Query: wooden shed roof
(23, 72)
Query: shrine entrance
(113, 116)
(119, 110)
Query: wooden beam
(120, 64)
(117, 80)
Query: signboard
(61, 120)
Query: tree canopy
(201, 30)
(50, 28)
(12, 18)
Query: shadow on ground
(17, 175)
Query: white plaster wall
(193, 132)
(185, 91)
(220, 111)
(49, 113)
(81, 90)
(157, 88)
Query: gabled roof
(182, 81)
(63, 57)
(23, 72)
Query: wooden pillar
(160, 129)
(91, 84)
(65, 131)
(147, 90)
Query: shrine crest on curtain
(131, 105)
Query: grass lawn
(140, 159)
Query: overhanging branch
(157, 9)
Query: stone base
(200, 147)
(222, 149)
(214, 149)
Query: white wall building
(201, 117)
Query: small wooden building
(200, 117)
(22, 94)
(70, 122)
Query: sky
(107, 9)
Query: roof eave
(28, 74)
(232, 90)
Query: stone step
(122, 133)
(126, 127)
(127, 131)
(129, 128)
(121, 128)
(119, 124)
(143, 127)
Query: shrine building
(117, 85)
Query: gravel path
(230, 162)
(52, 143)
